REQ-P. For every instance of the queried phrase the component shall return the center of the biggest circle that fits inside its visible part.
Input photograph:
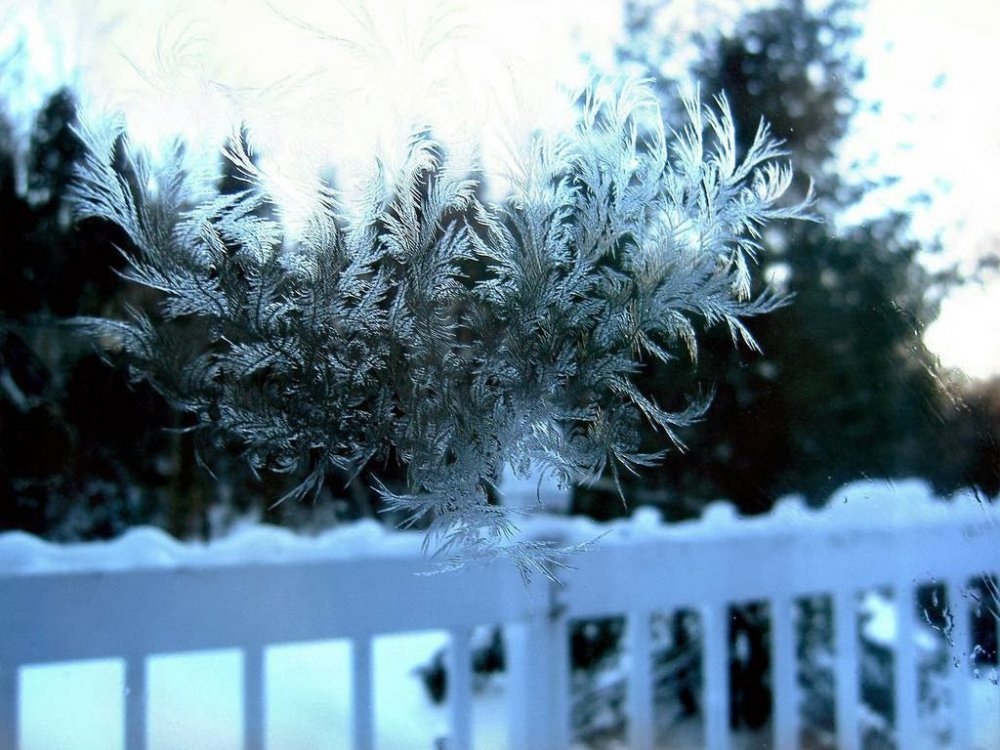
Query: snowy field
(194, 699)
(195, 703)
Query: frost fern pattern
(457, 335)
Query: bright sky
(306, 80)
(931, 64)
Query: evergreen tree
(971, 420)
(844, 388)
(79, 449)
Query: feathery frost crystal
(459, 335)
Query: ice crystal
(458, 335)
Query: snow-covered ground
(194, 699)
(868, 504)
(195, 703)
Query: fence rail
(707, 567)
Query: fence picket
(9, 701)
(254, 698)
(559, 679)
(136, 692)
(521, 723)
(362, 698)
(460, 690)
(715, 675)
(905, 663)
(783, 671)
(846, 678)
(960, 647)
(538, 683)
(640, 682)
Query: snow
(78, 706)
(860, 505)
(146, 547)
(879, 625)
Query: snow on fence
(154, 597)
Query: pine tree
(361, 336)
(80, 451)
(845, 387)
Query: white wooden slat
(136, 692)
(783, 674)
(254, 697)
(640, 681)
(846, 677)
(460, 689)
(184, 609)
(362, 695)
(521, 725)
(559, 674)
(905, 666)
(9, 708)
(995, 605)
(715, 675)
(537, 654)
(958, 669)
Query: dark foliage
(84, 451)
(846, 388)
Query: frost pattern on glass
(458, 334)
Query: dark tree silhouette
(845, 388)
(76, 442)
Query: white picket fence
(706, 566)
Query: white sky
(491, 77)
(932, 65)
